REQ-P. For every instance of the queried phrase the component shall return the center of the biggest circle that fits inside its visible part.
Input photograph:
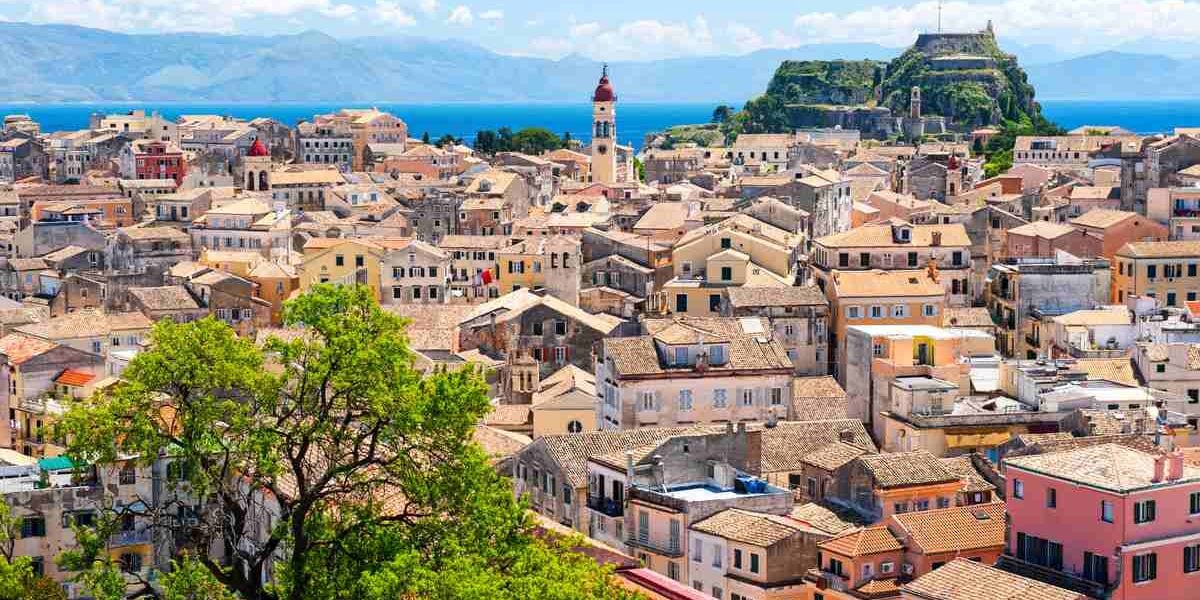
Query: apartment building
(1165, 271)
(798, 318)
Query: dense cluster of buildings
(800, 366)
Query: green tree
(486, 141)
(369, 466)
(566, 139)
(447, 140)
(640, 168)
(535, 140)
(722, 113)
(504, 139)
(425, 137)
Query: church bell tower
(604, 132)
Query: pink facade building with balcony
(1124, 518)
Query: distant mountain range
(61, 63)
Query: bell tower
(604, 131)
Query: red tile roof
(19, 347)
(74, 378)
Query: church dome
(258, 149)
(604, 91)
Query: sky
(642, 29)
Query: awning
(976, 440)
(55, 463)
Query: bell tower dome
(604, 131)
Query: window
(537, 328)
(853, 312)
(899, 311)
(131, 562)
(912, 259)
(560, 327)
(1039, 551)
(748, 397)
(876, 312)
(726, 273)
(698, 552)
(753, 562)
(718, 593)
(1160, 368)
(1018, 488)
(339, 260)
(560, 354)
(359, 260)
(1151, 271)
(1191, 558)
(681, 304)
(1194, 503)
(864, 259)
(33, 527)
(900, 507)
(726, 243)
(574, 427)
(673, 570)
(681, 355)
(776, 396)
(843, 260)
(868, 571)
(929, 310)
(877, 349)
(720, 398)
(718, 553)
(1145, 567)
(716, 355)
(737, 558)
(647, 400)
(1143, 512)
(1095, 567)
(1193, 396)
(685, 399)
(1051, 498)
(945, 502)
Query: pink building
(1124, 518)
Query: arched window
(262, 181)
(574, 427)
(250, 180)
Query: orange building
(1117, 228)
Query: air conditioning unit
(907, 569)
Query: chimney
(846, 436)
(1175, 466)
(628, 469)
(1160, 465)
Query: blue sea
(634, 120)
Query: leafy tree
(17, 581)
(722, 113)
(447, 140)
(640, 168)
(504, 139)
(425, 137)
(566, 139)
(486, 141)
(535, 140)
(368, 468)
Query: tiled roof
(86, 323)
(1111, 467)
(754, 528)
(431, 326)
(955, 529)
(498, 443)
(167, 297)
(1100, 218)
(862, 542)
(833, 456)
(973, 480)
(885, 284)
(20, 348)
(509, 415)
(785, 446)
(1107, 315)
(1043, 229)
(748, 297)
(682, 329)
(963, 579)
(817, 398)
(879, 588)
(638, 356)
(1174, 249)
(820, 517)
(898, 469)
(975, 316)
(571, 451)
(74, 378)
(1116, 370)
(665, 215)
(877, 235)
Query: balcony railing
(606, 506)
(828, 580)
(133, 537)
(668, 549)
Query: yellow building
(521, 266)
(344, 261)
(881, 298)
(1166, 271)
(236, 262)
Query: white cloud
(1067, 24)
(390, 13)
(585, 29)
(429, 7)
(193, 15)
(461, 15)
(635, 40)
(492, 15)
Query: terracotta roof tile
(955, 529)
(820, 517)
(898, 469)
(963, 579)
(863, 541)
(758, 529)
(74, 378)
(1110, 466)
(786, 446)
(1173, 249)
(879, 235)
(817, 398)
(885, 284)
(20, 347)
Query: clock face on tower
(602, 149)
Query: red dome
(604, 91)
(258, 149)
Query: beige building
(898, 245)
(414, 272)
(246, 224)
(693, 371)
(799, 320)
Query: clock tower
(604, 132)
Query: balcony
(606, 506)
(668, 549)
(135, 537)
(1033, 340)
(828, 580)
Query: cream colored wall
(763, 253)
(554, 422)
